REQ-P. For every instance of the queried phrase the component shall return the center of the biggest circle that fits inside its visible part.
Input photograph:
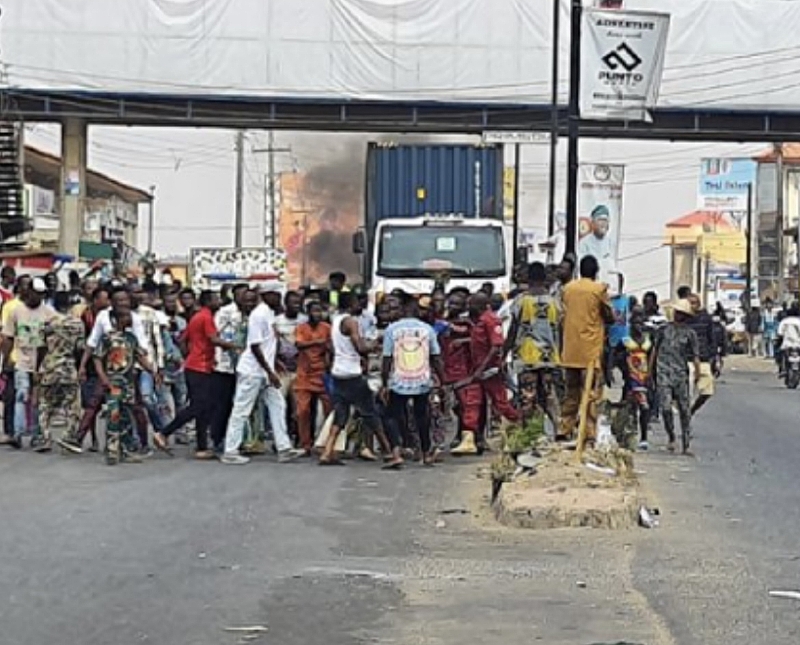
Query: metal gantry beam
(326, 114)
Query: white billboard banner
(600, 216)
(622, 61)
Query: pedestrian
(769, 323)
(486, 349)
(337, 284)
(201, 339)
(24, 332)
(638, 347)
(115, 359)
(231, 322)
(703, 326)
(533, 345)
(411, 357)
(257, 378)
(286, 324)
(58, 372)
(8, 277)
(587, 309)
(754, 330)
(350, 386)
(188, 303)
(21, 288)
(676, 347)
(313, 342)
(105, 323)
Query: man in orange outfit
(587, 309)
(313, 340)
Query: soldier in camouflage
(676, 347)
(58, 372)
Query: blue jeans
(175, 386)
(155, 401)
(26, 413)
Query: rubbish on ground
(580, 584)
(453, 511)
(202, 556)
(604, 470)
(789, 595)
(528, 460)
(441, 524)
(247, 629)
(647, 519)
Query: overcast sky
(194, 172)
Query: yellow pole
(588, 386)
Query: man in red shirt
(199, 341)
(486, 347)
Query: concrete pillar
(73, 185)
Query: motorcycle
(792, 367)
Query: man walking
(21, 293)
(201, 339)
(257, 377)
(411, 355)
(24, 332)
(703, 326)
(350, 386)
(675, 348)
(313, 340)
(587, 310)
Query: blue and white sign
(723, 184)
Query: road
(170, 552)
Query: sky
(194, 175)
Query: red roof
(791, 153)
(706, 219)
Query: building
(706, 248)
(110, 226)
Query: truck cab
(411, 253)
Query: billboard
(723, 184)
(600, 216)
(622, 60)
(459, 50)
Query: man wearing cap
(598, 243)
(676, 347)
(24, 331)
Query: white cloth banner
(600, 217)
(622, 61)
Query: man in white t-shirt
(256, 374)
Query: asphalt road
(731, 520)
(171, 552)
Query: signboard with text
(723, 184)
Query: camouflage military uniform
(676, 347)
(58, 374)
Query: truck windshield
(461, 250)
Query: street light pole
(574, 124)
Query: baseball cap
(601, 212)
(38, 285)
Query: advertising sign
(600, 216)
(723, 184)
(622, 60)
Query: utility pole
(779, 208)
(273, 219)
(515, 225)
(749, 245)
(150, 221)
(551, 201)
(238, 222)
(574, 124)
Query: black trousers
(224, 390)
(203, 403)
(9, 396)
(421, 410)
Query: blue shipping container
(412, 180)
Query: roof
(791, 153)
(44, 163)
(707, 219)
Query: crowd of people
(322, 373)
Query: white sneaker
(644, 446)
(286, 456)
(234, 460)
